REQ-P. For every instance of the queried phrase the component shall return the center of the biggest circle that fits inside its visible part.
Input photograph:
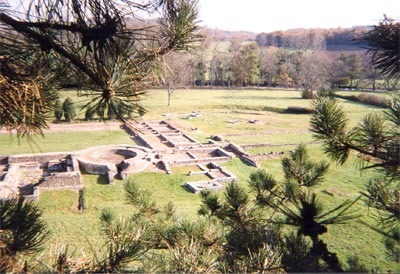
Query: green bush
(374, 100)
(58, 110)
(368, 99)
(69, 109)
(299, 110)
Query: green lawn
(219, 108)
(61, 141)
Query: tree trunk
(170, 91)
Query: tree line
(342, 39)
(246, 64)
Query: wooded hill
(334, 39)
(338, 39)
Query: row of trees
(246, 64)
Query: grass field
(218, 108)
(61, 141)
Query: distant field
(223, 112)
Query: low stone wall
(230, 176)
(70, 179)
(143, 141)
(272, 145)
(9, 185)
(197, 187)
(3, 160)
(96, 168)
(41, 158)
(62, 180)
(54, 180)
(199, 161)
(237, 149)
(190, 138)
(216, 182)
(250, 161)
(75, 164)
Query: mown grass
(219, 108)
(81, 230)
(61, 141)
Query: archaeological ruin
(158, 145)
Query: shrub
(69, 109)
(299, 110)
(58, 110)
(368, 99)
(307, 94)
(326, 93)
(374, 100)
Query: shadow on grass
(102, 180)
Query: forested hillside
(329, 39)
(334, 39)
(305, 59)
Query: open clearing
(223, 112)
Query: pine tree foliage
(293, 203)
(376, 139)
(252, 243)
(106, 44)
(126, 240)
(383, 44)
(300, 169)
(185, 246)
(22, 231)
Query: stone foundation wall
(96, 168)
(237, 149)
(3, 160)
(75, 164)
(143, 141)
(194, 162)
(9, 185)
(41, 158)
(62, 180)
(197, 187)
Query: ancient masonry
(27, 174)
(162, 146)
